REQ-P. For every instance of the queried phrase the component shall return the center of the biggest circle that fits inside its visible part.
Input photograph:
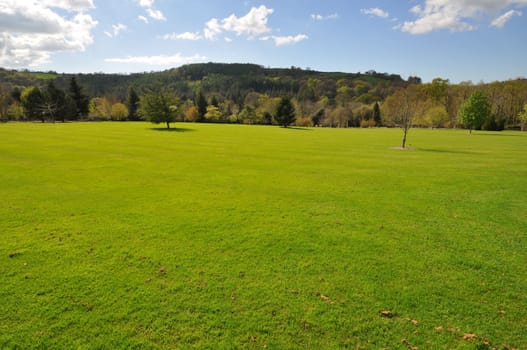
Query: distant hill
(228, 81)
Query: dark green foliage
(214, 101)
(285, 112)
(377, 114)
(132, 103)
(474, 111)
(158, 107)
(201, 105)
(16, 94)
(493, 123)
(79, 98)
(268, 118)
(32, 99)
(53, 105)
(317, 117)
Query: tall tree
(474, 111)
(31, 99)
(132, 103)
(285, 112)
(523, 117)
(159, 107)
(377, 114)
(81, 100)
(201, 105)
(53, 104)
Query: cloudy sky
(455, 39)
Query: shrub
(367, 123)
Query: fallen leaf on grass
(439, 328)
(387, 313)
(326, 298)
(469, 336)
(233, 296)
(414, 322)
(162, 270)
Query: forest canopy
(250, 93)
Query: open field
(123, 235)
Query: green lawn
(123, 235)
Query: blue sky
(454, 39)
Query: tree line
(251, 94)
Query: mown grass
(124, 235)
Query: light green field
(121, 235)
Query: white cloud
(227, 40)
(285, 40)
(503, 19)
(455, 15)
(153, 13)
(146, 3)
(143, 19)
(69, 5)
(212, 29)
(183, 36)
(31, 31)
(156, 14)
(116, 30)
(160, 60)
(375, 11)
(252, 24)
(318, 17)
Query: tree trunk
(168, 125)
(405, 131)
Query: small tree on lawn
(474, 111)
(158, 107)
(401, 108)
(523, 117)
(285, 112)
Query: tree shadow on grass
(442, 150)
(496, 133)
(296, 128)
(172, 129)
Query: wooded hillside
(249, 93)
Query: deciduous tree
(192, 114)
(119, 111)
(523, 117)
(53, 104)
(401, 108)
(31, 99)
(474, 111)
(213, 114)
(159, 107)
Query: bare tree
(401, 108)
